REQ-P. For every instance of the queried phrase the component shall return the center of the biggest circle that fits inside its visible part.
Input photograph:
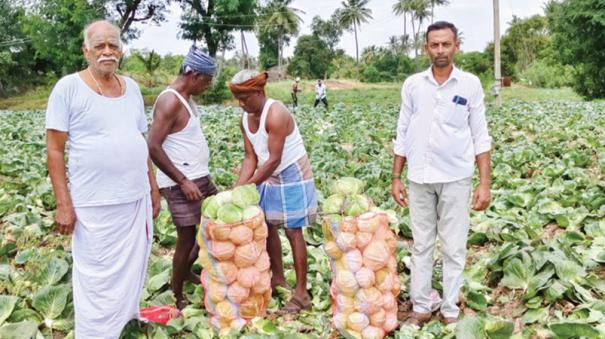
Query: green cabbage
(251, 212)
(356, 205)
(224, 198)
(347, 186)
(333, 204)
(244, 196)
(229, 213)
(209, 207)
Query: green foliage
(578, 28)
(219, 91)
(352, 15)
(474, 62)
(546, 75)
(55, 29)
(383, 65)
(214, 21)
(311, 58)
(343, 66)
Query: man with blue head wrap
(179, 149)
(198, 61)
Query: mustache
(111, 58)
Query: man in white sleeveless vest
(179, 149)
(275, 159)
(111, 196)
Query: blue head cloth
(199, 61)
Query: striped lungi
(289, 199)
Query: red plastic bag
(159, 314)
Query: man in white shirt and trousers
(441, 133)
(320, 94)
(112, 195)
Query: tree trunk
(356, 43)
(244, 51)
(279, 53)
(405, 24)
(415, 46)
(432, 10)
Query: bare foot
(194, 278)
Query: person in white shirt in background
(441, 133)
(320, 94)
(112, 194)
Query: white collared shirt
(440, 137)
(320, 91)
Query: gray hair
(243, 76)
(88, 27)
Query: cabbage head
(229, 213)
(246, 195)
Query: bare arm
(65, 217)
(250, 160)
(277, 118)
(482, 195)
(155, 191)
(164, 118)
(397, 187)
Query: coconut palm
(437, 3)
(403, 7)
(283, 19)
(353, 13)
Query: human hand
(65, 220)
(156, 202)
(398, 192)
(191, 191)
(481, 197)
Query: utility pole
(497, 71)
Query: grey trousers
(438, 210)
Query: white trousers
(438, 210)
(110, 247)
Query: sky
(474, 18)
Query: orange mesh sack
(236, 270)
(361, 248)
(365, 284)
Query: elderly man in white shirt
(112, 195)
(441, 133)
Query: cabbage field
(536, 257)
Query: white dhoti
(110, 246)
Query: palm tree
(419, 12)
(437, 3)
(403, 7)
(353, 13)
(283, 19)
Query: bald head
(100, 28)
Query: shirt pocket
(456, 115)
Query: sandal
(418, 319)
(294, 306)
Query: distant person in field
(275, 159)
(112, 196)
(441, 134)
(179, 149)
(320, 94)
(294, 92)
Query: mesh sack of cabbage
(361, 247)
(234, 259)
